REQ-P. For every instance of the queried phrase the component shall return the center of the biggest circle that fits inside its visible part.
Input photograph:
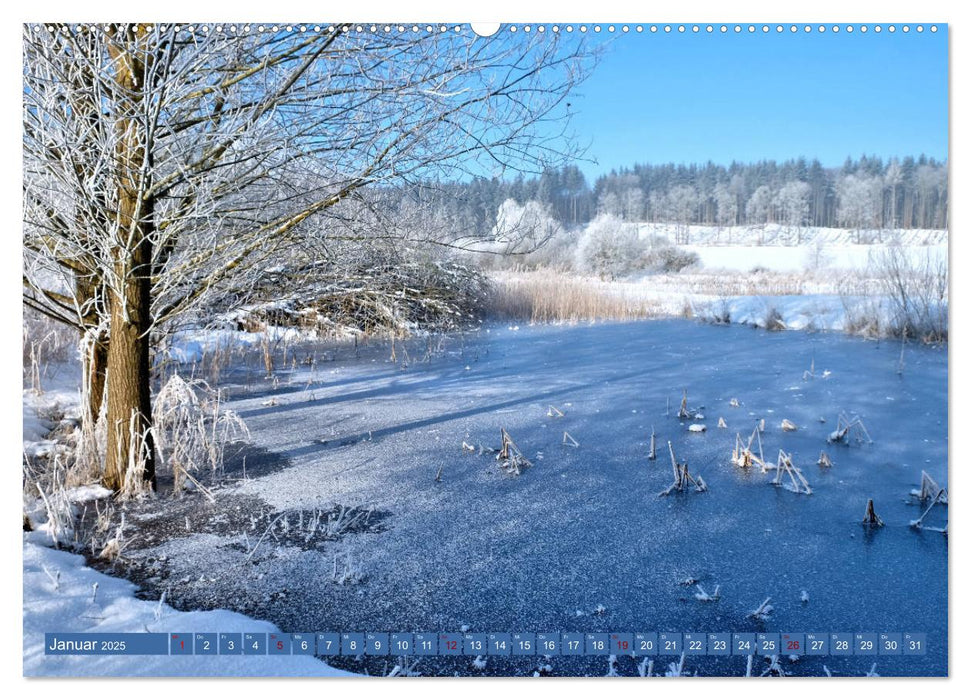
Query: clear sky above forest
(686, 97)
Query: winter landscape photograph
(462, 350)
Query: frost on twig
(797, 482)
(676, 670)
(612, 666)
(811, 372)
(847, 428)
(682, 477)
(788, 426)
(824, 460)
(763, 612)
(722, 423)
(346, 572)
(55, 577)
(685, 413)
(569, 440)
(652, 455)
(511, 459)
(929, 490)
(405, 667)
(870, 517)
(743, 455)
(774, 668)
(705, 597)
(554, 412)
(645, 669)
(919, 523)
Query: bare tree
(165, 164)
(860, 201)
(682, 205)
(726, 203)
(792, 201)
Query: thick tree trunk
(129, 410)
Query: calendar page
(566, 349)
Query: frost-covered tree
(633, 203)
(893, 178)
(682, 203)
(726, 205)
(610, 247)
(610, 203)
(166, 164)
(859, 200)
(931, 190)
(759, 206)
(523, 230)
(792, 201)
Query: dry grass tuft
(547, 296)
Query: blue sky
(697, 97)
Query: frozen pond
(585, 527)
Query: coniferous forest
(868, 192)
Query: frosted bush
(191, 429)
(609, 248)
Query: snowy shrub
(670, 259)
(524, 230)
(191, 430)
(916, 286)
(610, 248)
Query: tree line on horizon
(864, 193)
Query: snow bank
(59, 596)
(39, 410)
(794, 312)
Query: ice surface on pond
(584, 526)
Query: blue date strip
(481, 644)
(111, 644)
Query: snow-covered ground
(61, 594)
(773, 235)
(796, 258)
(787, 249)
(581, 541)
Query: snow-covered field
(580, 541)
(787, 249)
(776, 235)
